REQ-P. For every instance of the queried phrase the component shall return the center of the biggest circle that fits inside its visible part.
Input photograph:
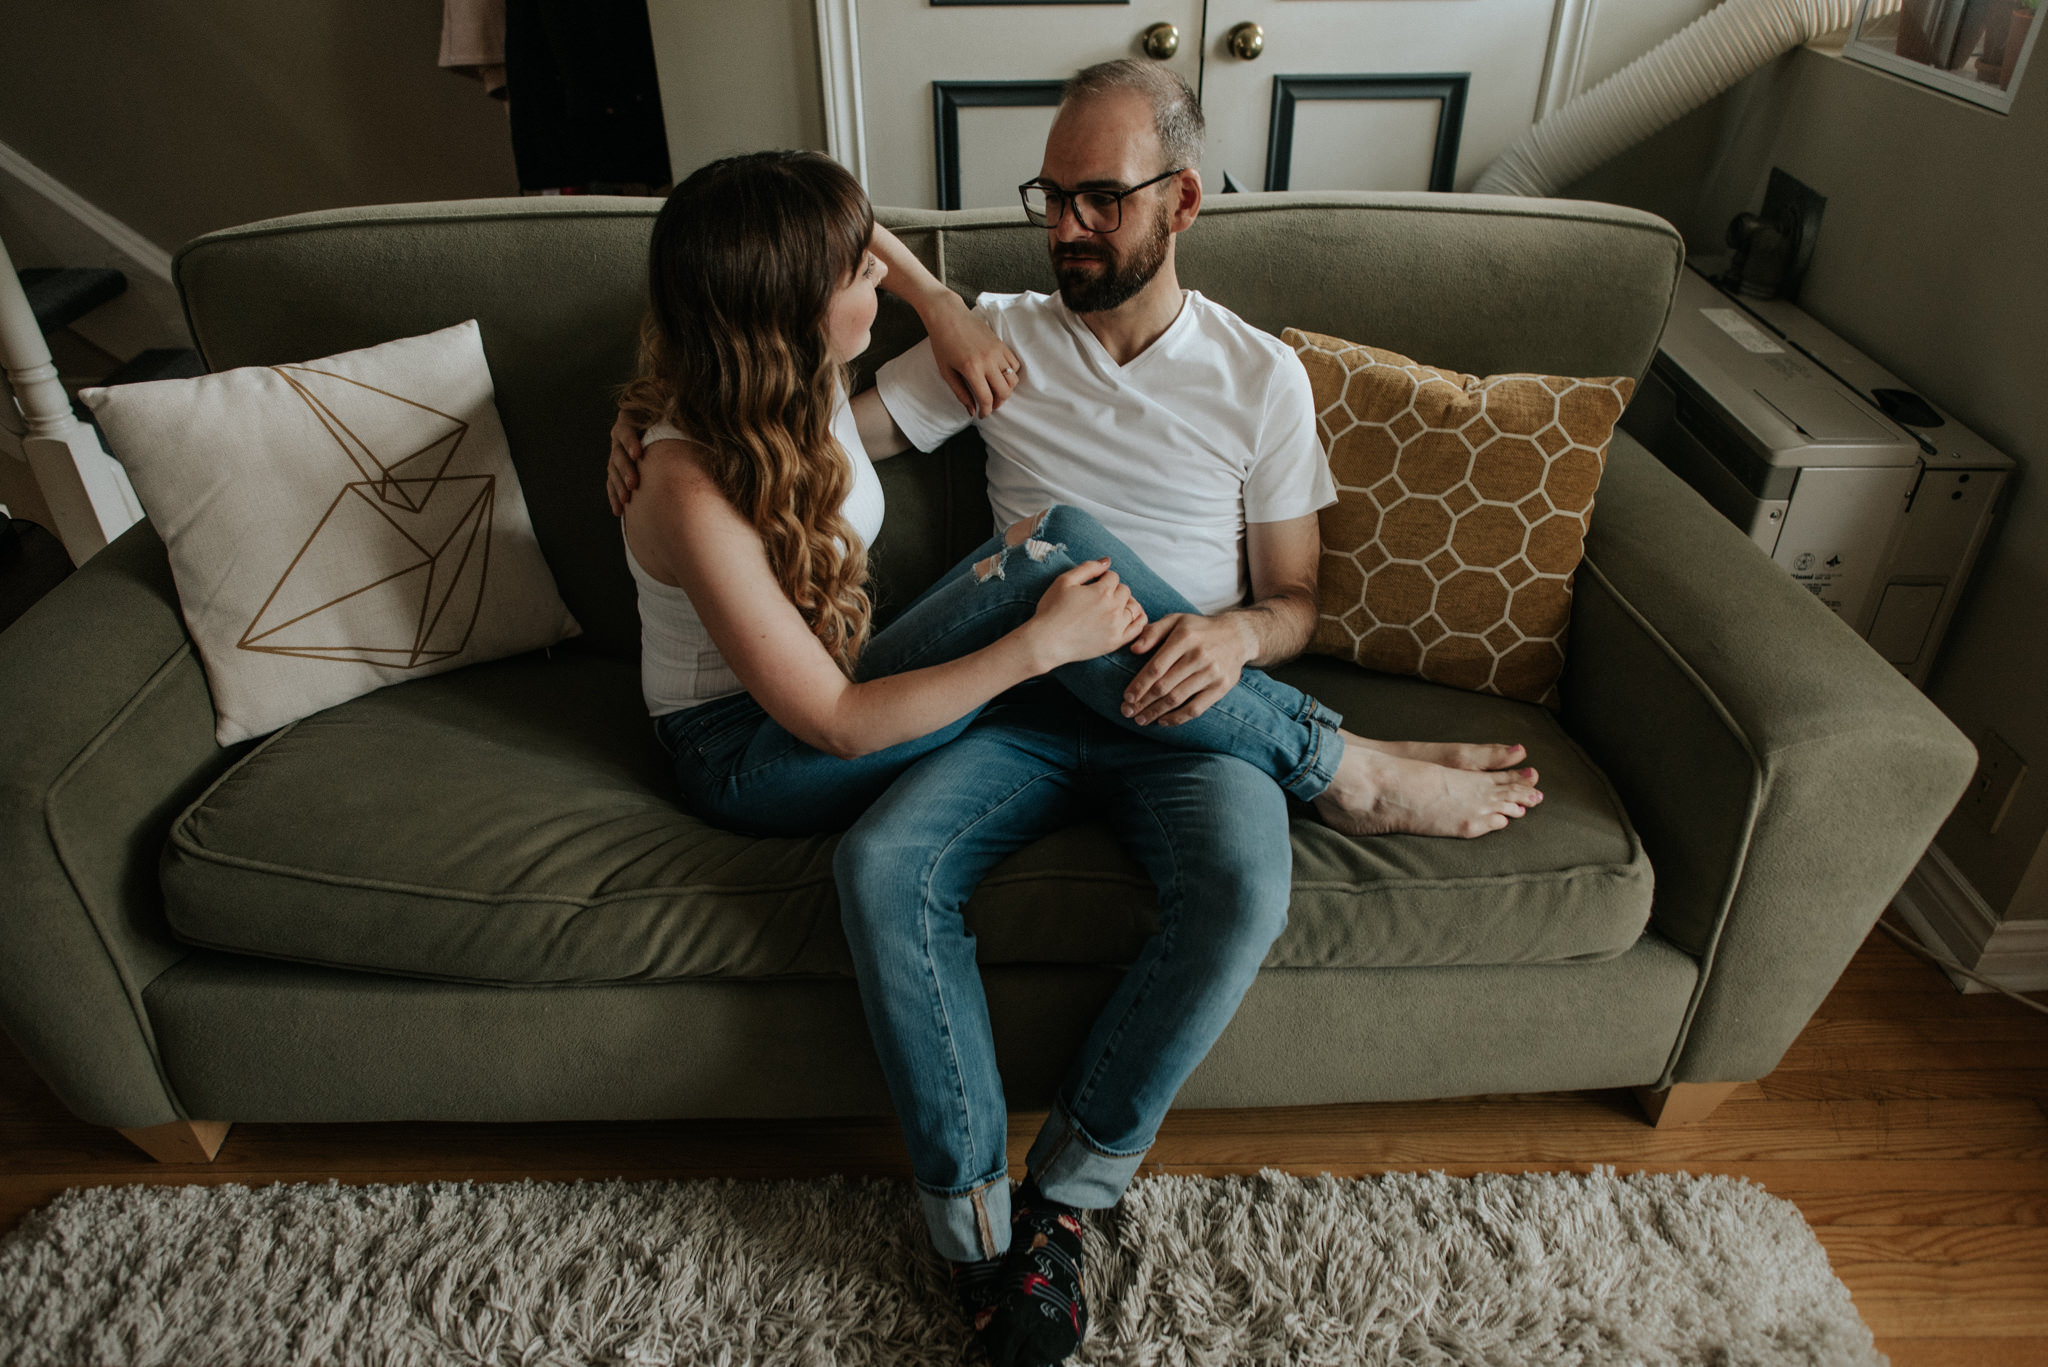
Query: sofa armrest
(106, 733)
(1783, 777)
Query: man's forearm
(1277, 628)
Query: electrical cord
(1912, 943)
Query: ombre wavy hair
(745, 258)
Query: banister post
(88, 492)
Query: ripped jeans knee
(1025, 534)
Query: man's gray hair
(1176, 113)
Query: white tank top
(679, 666)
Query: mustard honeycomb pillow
(1461, 514)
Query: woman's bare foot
(1449, 754)
(1375, 793)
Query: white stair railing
(87, 491)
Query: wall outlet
(1792, 202)
(1999, 771)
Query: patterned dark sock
(977, 1286)
(1041, 1316)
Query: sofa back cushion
(1479, 283)
(1473, 282)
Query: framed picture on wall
(1976, 50)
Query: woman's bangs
(851, 218)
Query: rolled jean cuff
(1075, 1171)
(970, 1225)
(1318, 767)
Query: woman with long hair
(748, 537)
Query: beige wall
(1619, 31)
(1932, 258)
(181, 118)
(737, 78)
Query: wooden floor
(1909, 1123)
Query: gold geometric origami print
(393, 573)
(1461, 514)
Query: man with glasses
(1192, 437)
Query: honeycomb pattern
(1461, 514)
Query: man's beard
(1089, 290)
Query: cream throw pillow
(1461, 514)
(339, 525)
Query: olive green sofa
(472, 898)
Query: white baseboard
(1951, 918)
(46, 223)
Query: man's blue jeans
(739, 769)
(1210, 829)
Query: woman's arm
(975, 363)
(682, 530)
(979, 368)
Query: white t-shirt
(1210, 427)
(679, 666)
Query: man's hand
(622, 472)
(1195, 660)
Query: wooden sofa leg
(181, 1141)
(1683, 1102)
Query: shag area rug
(1539, 1269)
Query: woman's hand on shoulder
(622, 471)
(1084, 613)
(978, 366)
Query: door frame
(846, 133)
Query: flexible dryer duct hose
(1678, 75)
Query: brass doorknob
(1247, 41)
(1162, 41)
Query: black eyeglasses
(1099, 211)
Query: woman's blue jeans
(739, 769)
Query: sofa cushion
(514, 823)
(337, 525)
(1461, 514)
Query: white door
(958, 94)
(1369, 94)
